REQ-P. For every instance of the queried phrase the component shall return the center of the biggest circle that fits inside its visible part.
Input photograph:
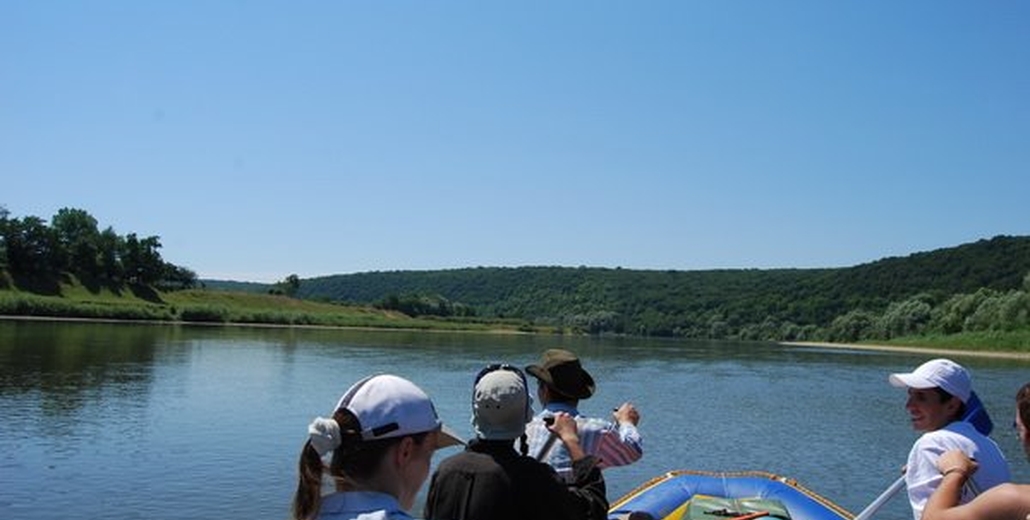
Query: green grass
(215, 306)
(1005, 341)
(207, 306)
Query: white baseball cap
(389, 406)
(943, 373)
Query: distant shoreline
(916, 350)
(1023, 356)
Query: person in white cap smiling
(938, 392)
(490, 480)
(1002, 502)
(380, 438)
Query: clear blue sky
(262, 139)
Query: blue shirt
(361, 505)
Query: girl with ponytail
(379, 442)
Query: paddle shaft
(882, 499)
(547, 446)
(751, 516)
(549, 443)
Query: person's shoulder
(1010, 492)
(954, 435)
(1003, 501)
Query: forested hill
(731, 303)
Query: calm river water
(178, 422)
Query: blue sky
(262, 139)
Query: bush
(851, 327)
(906, 318)
(204, 313)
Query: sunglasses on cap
(500, 366)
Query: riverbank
(232, 308)
(957, 352)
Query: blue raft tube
(669, 496)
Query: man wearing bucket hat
(939, 392)
(491, 480)
(562, 383)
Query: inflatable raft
(696, 495)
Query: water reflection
(211, 419)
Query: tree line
(975, 287)
(972, 287)
(34, 252)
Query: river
(104, 420)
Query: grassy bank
(986, 341)
(228, 307)
(205, 306)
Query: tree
(77, 235)
(3, 233)
(853, 326)
(288, 286)
(905, 318)
(109, 248)
(32, 248)
(291, 285)
(141, 261)
(176, 277)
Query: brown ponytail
(308, 497)
(309, 486)
(353, 460)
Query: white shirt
(922, 476)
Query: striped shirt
(612, 443)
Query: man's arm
(621, 444)
(955, 468)
(1003, 502)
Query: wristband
(956, 469)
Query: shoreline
(243, 324)
(994, 354)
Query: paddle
(549, 443)
(882, 499)
(975, 414)
(751, 516)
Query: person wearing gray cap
(490, 480)
(562, 383)
(938, 393)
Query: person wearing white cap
(381, 437)
(938, 392)
(490, 480)
(1002, 502)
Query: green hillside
(920, 293)
(976, 293)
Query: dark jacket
(491, 481)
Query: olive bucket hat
(561, 371)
